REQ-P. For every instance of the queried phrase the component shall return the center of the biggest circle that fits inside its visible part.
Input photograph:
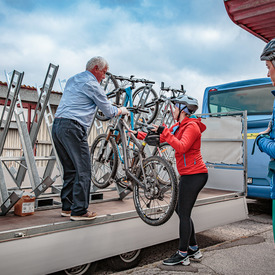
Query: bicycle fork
(104, 147)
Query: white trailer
(45, 242)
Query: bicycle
(142, 97)
(152, 180)
(164, 150)
(166, 106)
(124, 97)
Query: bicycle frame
(120, 127)
(167, 107)
(128, 101)
(142, 101)
(165, 104)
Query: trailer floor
(110, 205)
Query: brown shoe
(88, 216)
(66, 213)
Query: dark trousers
(189, 188)
(70, 140)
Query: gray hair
(97, 60)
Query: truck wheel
(125, 261)
(85, 269)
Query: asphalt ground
(244, 247)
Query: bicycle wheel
(147, 100)
(109, 84)
(156, 201)
(104, 161)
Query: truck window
(257, 101)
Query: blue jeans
(70, 140)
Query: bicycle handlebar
(137, 110)
(134, 80)
(174, 91)
(164, 98)
(145, 125)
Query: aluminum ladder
(8, 199)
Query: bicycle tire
(109, 84)
(156, 205)
(103, 170)
(151, 104)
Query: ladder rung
(48, 115)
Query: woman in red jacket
(185, 138)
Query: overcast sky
(193, 43)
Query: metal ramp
(49, 118)
(38, 116)
(7, 199)
(27, 161)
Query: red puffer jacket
(185, 138)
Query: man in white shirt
(73, 117)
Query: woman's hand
(155, 128)
(132, 131)
(158, 129)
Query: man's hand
(123, 111)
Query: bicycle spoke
(152, 208)
(156, 201)
(104, 161)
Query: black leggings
(189, 188)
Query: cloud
(174, 43)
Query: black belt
(72, 120)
